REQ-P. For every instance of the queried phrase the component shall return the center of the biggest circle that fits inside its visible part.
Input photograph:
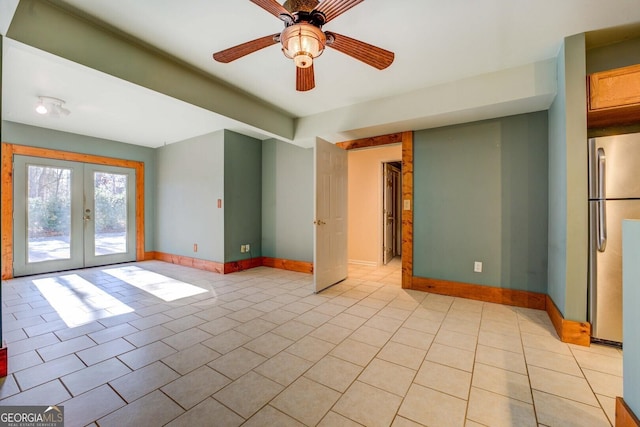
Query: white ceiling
(435, 42)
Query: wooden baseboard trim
(200, 264)
(624, 415)
(245, 264)
(233, 266)
(287, 264)
(493, 294)
(569, 331)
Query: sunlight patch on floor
(78, 301)
(163, 287)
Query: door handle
(602, 226)
(87, 215)
(319, 222)
(602, 163)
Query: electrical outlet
(247, 248)
(195, 247)
(242, 249)
(477, 267)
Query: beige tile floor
(152, 343)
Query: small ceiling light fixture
(41, 108)
(53, 107)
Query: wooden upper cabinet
(614, 97)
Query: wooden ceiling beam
(373, 141)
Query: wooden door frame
(6, 187)
(406, 139)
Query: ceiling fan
(303, 39)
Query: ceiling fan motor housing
(300, 5)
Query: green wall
(287, 201)
(558, 191)
(190, 181)
(243, 196)
(192, 176)
(480, 194)
(568, 207)
(631, 314)
(615, 55)
(17, 133)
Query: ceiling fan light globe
(303, 42)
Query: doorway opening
(365, 200)
(391, 211)
(374, 212)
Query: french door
(71, 215)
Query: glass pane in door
(48, 213)
(110, 213)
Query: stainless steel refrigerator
(614, 195)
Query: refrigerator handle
(602, 225)
(602, 163)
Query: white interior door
(330, 236)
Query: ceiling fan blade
(334, 8)
(272, 6)
(243, 49)
(365, 52)
(305, 79)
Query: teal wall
(190, 180)
(577, 219)
(568, 208)
(21, 134)
(631, 314)
(287, 201)
(480, 194)
(558, 191)
(615, 55)
(243, 196)
(192, 176)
